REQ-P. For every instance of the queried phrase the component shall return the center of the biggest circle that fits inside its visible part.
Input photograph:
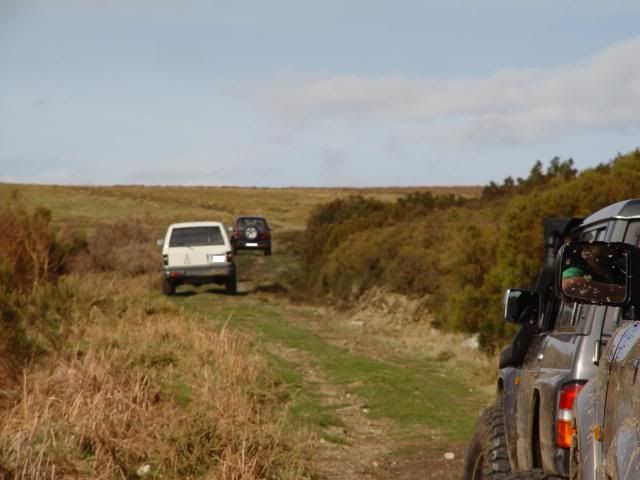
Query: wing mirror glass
(520, 305)
(594, 272)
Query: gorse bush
(29, 253)
(367, 222)
(32, 305)
(518, 238)
(459, 254)
(556, 171)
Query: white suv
(196, 253)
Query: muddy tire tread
(535, 474)
(489, 440)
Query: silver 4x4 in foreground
(528, 433)
(197, 253)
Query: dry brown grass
(125, 382)
(404, 325)
(142, 386)
(125, 246)
(286, 208)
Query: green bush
(460, 255)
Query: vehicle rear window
(258, 223)
(196, 236)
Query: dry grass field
(105, 378)
(286, 208)
(141, 389)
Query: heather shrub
(33, 307)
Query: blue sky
(312, 93)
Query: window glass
(258, 223)
(196, 236)
(593, 235)
(633, 234)
(611, 320)
(574, 318)
(564, 319)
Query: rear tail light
(564, 424)
(229, 257)
(175, 274)
(165, 260)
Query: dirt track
(371, 447)
(366, 442)
(374, 449)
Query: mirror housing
(520, 305)
(596, 272)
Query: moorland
(364, 346)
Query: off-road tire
(231, 284)
(168, 288)
(487, 457)
(535, 474)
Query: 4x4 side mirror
(520, 305)
(160, 242)
(596, 272)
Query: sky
(313, 93)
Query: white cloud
(510, 106)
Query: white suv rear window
(196, 236)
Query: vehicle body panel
(623, 456)
(619, 395)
